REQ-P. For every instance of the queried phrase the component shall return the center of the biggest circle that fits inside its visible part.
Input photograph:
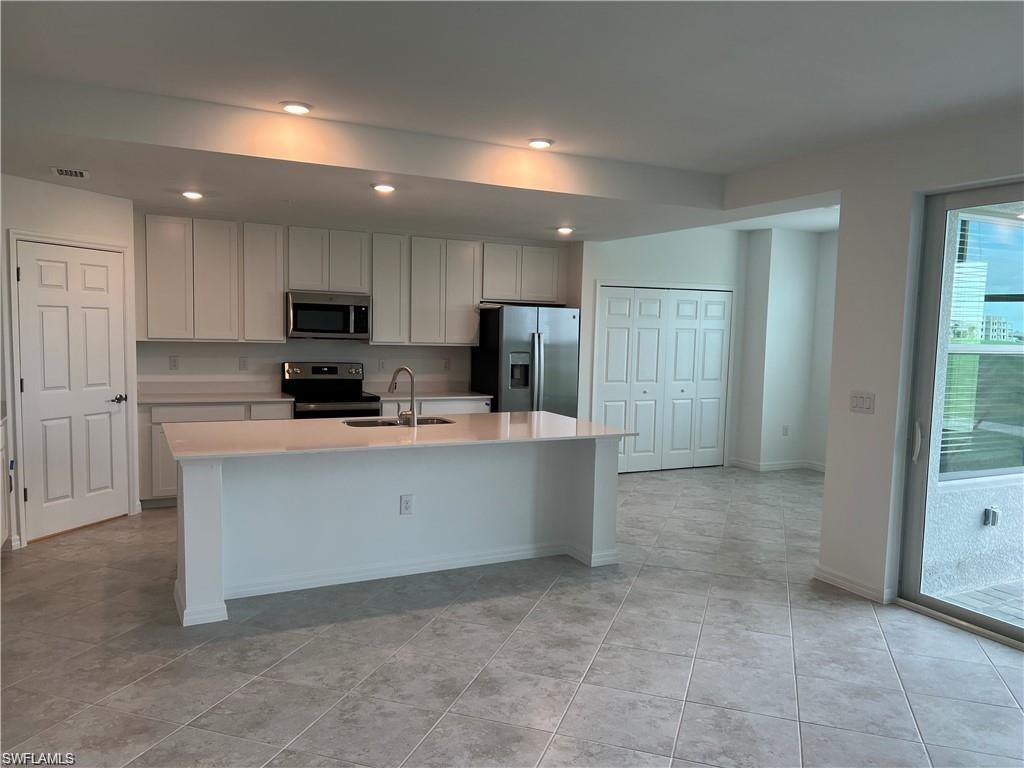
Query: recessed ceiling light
(1020, 215)
(384, 189)
(565, 230)
(539, 143)
(192, 195)
(295, 107)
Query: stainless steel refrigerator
(528, 358)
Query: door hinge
(18, 274)
(26, 494)
(21, 384)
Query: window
(983, 407)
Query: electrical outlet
(172, 362)
(243, 363)
(862, 402)
(405, 504)
(785, 430)
(447, 364)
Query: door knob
(118, 399)
(645, 391)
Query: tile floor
(710, 645)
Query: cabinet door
(501, 270)
(169, 282)
(539, 274)
(427, 313)
(349, 270)
(647, 386)
(613, 349)
(390, 281)
(712, 377)
(215, 278)
(681, 333)
(463, 279)
(308, 259)
(263, 282)
(165, 468)
(441, 407)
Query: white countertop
(231, 439)
(195, 398)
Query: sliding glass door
(964, 534)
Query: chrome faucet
(407, 418)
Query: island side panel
(199, 588)
(299, 521)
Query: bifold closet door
(612, 364)
(712, 375)
(646, 390)
(681, 360)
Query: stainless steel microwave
(328, 315)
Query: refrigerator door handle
(540, 372)
(534, 371)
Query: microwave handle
(351, 318)
(289, 316)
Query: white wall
(63, 212)
(746, 447)
(821, 352)
(695, 258)
(882, 183)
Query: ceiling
(810, 220)
(707, 86)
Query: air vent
(69, 173)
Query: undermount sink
(420, 422)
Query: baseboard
(775, 466)
(842, 581)
(594, 559)
(204, 614)
(325, 578)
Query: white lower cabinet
(164, 470)
(436, 407)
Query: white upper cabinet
(169, 277)
(308, 259)
(390, 282)
(463, 279)
(427, 307)
(538, 274)
(501, 271)
(520, 273)
(215, 278)
(263, 282)
(349, 262)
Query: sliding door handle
(916, 450)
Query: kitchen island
(273, 506)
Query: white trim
(774, 466)
(198, 615)
(836, 579)
(958, 623)
(14, 236)
(346, 575)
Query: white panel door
(502, 265)
(308, 259)
(647, 385)
(539, 274)
(349, 262)
(263, 282)
(427, 283)
(169, 283)
(712, 377)
(390, 281)
(71, 316)
(215, 278)
(612, 363)
(681, 334)
(463, 277)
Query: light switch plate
(405, 504)
(862, 402)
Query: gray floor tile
(1002, 655)
(100, 737)
(516, 698)
(329, 663)
(421, 681)
(638, 630)
(688, 541)
(459, 740)
(881, 711)
(248, 649)
(927, 637)
(673, 580)
(946, 757)
(724, 587)
(368, 731)
(564, 752)
(740, 647)
(166, 637)
(665, 605)
(448, 638)
(682, 559)
(641, 671)
(384, 629)
(585, 621)
(503, 611)
(726, 737)
(1014, 679)
(177, 692)
(290, 758)
(561, 654)
(270, 711)
(839, 630)
(27, 653)
(192, 748)
(958, 679)
(748, 615)
(968, 725)
(25, 713)
(835, 748)
(92, 675)
(734, 686)
(622, 719)
(859, 666)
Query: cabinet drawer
(172, 413)
(270, 411)
(441, 407)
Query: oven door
(336, 410)
(328, 316)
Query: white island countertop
(230, 439)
